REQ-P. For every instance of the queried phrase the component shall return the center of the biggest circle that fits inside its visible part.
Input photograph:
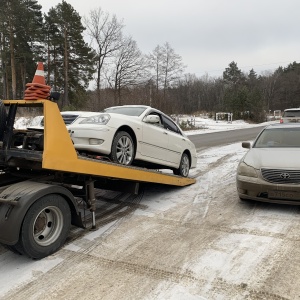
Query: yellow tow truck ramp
(44, 183)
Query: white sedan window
(170, 125)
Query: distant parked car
(270, 170)
(290, 115)
(136, 134)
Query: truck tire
(45, 227)
(3, 117)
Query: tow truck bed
(42, 176)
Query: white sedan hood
(273, 158)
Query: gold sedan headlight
(245, 170)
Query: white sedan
(136, 134)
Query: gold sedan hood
(273, 158)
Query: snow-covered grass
(208, 125)
(23, 122)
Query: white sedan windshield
(128, 111)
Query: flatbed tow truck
(45, 183)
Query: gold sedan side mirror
(246, 145)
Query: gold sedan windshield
(279, 138)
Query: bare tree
(128, 68)
(172, 67)
(166, 67)
(155, 61)
(269, 83)
(106, 34)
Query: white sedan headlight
(245, 170)
(97, 119)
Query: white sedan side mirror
(152, 119)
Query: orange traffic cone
(39, 77)
(38, 88)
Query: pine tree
(21, 28)
(233, 75)
(71, 58)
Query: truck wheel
(2, 119)
(122, 150)
(45, 226)
(184, 166)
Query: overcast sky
(208, 35)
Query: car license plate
(283, 195)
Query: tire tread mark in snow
(186, 277)
(108, 213)
(213, 165)
(165, 222)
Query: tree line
(110, 69)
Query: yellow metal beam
(59, 153)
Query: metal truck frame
(44, 181)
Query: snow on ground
(207, 125)
(18, 270)
(23, 122)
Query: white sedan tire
(184, 166)
(123, 149)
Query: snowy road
(203, 141)
(196, 242)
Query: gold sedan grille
(281, 176)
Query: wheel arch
(26, 193)
(187, 151)
(130, 131)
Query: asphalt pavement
(207, 140)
